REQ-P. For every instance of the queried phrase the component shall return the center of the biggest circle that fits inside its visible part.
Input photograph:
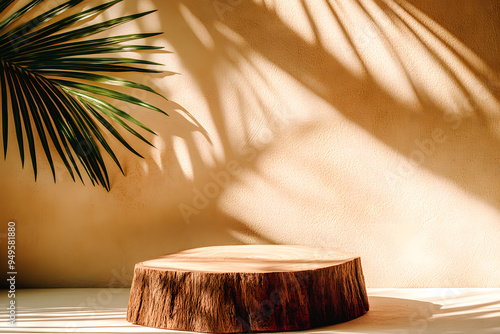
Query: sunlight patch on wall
(255, 97)
(377, 55)
(429, 78)
(326, 23)
(183, 157)
(198, 28)
(229, 33)
(194, 100)
(153, 22)
(156, 152)
(421, 221)
(145, 166)
(205, 149)
(390, 37)
(333, 18)
(401, 54)
(277, 86)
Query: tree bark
(247, 288)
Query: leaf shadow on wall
(462, 104)
(448, 89)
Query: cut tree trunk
(227, 289)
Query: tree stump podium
(228, 289)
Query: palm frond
(46, 76)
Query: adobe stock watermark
(11, 272)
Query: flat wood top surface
(249, 259)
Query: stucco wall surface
(372, 126)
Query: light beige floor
(401, 311)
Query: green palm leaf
(46, 76)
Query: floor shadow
(104, 311)
(388, 315)
(395, 315)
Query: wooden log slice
(227, 289)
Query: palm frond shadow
(245, 31)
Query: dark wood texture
(229, 289)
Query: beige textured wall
(370, 125)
